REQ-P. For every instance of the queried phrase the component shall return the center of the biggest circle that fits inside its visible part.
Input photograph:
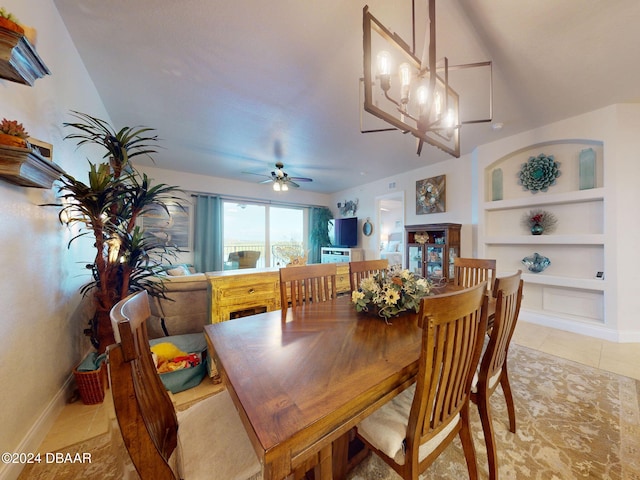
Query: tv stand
(340, 254)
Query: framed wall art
(171, 229)
(431, 195)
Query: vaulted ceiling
(224, 82)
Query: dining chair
(471, 271)
(411, 430)
(300, 284)
(364, 269)
(493, 366)
(245, 258)
(207, 437)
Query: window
(271, 230)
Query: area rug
(573, 422)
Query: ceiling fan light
(276, 186)
(285, 187)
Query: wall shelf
(541, 199)
(19, 61)
(26, 167)
(565, 282)
(587, 239)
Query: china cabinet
(431, 248)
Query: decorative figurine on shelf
(539, 173)
(536, 263)
(539, 222)
(13, 134)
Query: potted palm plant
(107, 209)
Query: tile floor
(79, 422)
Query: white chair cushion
(212, 442)
(492, 381)
(386, 428)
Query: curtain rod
(195, 193)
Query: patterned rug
(573, 422)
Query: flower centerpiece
(539, 221)
(391, 292)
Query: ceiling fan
(280, 179)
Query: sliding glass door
(258, 235)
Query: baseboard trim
(38, 431)
(582, 328)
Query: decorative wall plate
(539, 173)
(367, 228)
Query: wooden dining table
(302, 378)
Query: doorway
(390, 211)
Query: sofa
(186, 308)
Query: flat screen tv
(345, 232)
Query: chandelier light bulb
(423, 95)
(276, 186)
(285, 187)
(384, 63)
(405, 82)
(438, 104)
(451, 119)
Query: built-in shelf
(587, 239)
(19, 61)
(26, 167)
(565, 282)
(568, 289)
(548, 199)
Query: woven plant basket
(91, 385)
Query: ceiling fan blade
(301, 179)
(292, 183)
(266, 181)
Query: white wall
(40, 332)
(458, 173)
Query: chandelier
(413, 95)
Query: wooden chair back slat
(143, 408)
(452, 340)
(493, 369)
(468, 272)
(307, 283)
(508, 300)
(364, 269)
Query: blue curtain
(318, 232)
(208, 234)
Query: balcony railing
(277, 256)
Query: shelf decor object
(539, 173)
(539, 221)
(587, 168)
(496, 184)
(19, 61)
(26, 167)
(536, 263)
(430, 195)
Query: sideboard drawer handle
(251, 290)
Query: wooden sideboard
(238, 293)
